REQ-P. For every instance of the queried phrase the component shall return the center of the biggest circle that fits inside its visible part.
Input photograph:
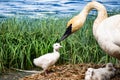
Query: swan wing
(109, 29)
(114, 31)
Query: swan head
(73, 25)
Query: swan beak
(66, 34)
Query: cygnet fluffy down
(48, 59)
(100, 73)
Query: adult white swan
(106, 30)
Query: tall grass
(22, 40)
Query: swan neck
(102, 13)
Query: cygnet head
(56, 46)
(90, 72)
(110, 67)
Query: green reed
(23, 39)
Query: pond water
(41, 8)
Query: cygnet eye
(56, 45)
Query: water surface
(42, 8)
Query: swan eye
(70, 25)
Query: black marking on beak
(67, 33)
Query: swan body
(106, 30)
(48, 59)
(101, 73)
(108, 35)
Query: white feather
(48, 59)
(101, 73)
